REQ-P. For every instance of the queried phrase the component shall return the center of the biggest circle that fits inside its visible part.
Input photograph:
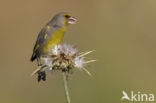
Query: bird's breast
(54, 39)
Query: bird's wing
(40, 40)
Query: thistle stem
(66, 87)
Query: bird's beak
(72, 20)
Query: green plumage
(51, 34)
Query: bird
(50, 35)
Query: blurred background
(122, 33)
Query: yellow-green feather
(37, 46)
(56, 38)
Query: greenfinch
(51, 34)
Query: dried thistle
(63, 57)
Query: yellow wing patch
(37, 46)
(47, 27)
(45, 36)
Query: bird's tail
(33, 57)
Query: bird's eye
(67, 16)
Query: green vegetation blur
(122, 33)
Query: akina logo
(137, 96)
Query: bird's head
(64, 18)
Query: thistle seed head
(63, 57)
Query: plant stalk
(66, 87)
